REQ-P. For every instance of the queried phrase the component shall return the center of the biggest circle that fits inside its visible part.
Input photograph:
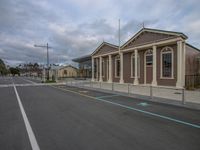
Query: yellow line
(74, 92)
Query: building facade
(151, 57)
(63, 71)
(84, 66)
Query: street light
(45, 46)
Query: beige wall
(67, 72)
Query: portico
(141, 60)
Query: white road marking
(28, 84)
(28, 81)
(29, 130)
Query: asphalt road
(67, 118)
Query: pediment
(146, 36)
(105, 48)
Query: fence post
(151, 92)
(128, 89)
(112, 86)
(183, 96)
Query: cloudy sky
(76, 27)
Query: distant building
(85, 66)
(63, 71)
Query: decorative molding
(101, 45)
(153, 31)
(147, 46)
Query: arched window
(167, 62)
(117, 66)
(133, 65)
(149, 57)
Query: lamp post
(45, 46)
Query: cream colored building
(67, 71)
(64, 71)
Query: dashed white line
(29, 130)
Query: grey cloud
(28, 22)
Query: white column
(179, 64)
(154, 81)
(121, 68)
(183, 62)
(56, 75)
(92, 69)
(97, 70)
(136, 82)
(43, 75)
(100, 70)
(110, 69)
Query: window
(167, 62)
(149, 57)
(117, 66)
(133, 65)
(65, 72)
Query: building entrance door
(149, 66)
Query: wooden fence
(192, 81)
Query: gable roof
(82, 58)
(192, 47)
(154, 31)
(102, 44)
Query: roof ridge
(155, 29)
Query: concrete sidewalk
(167, 95)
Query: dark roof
(82, 58)
(193, 47)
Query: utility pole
(119, 38)
(45, 46)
